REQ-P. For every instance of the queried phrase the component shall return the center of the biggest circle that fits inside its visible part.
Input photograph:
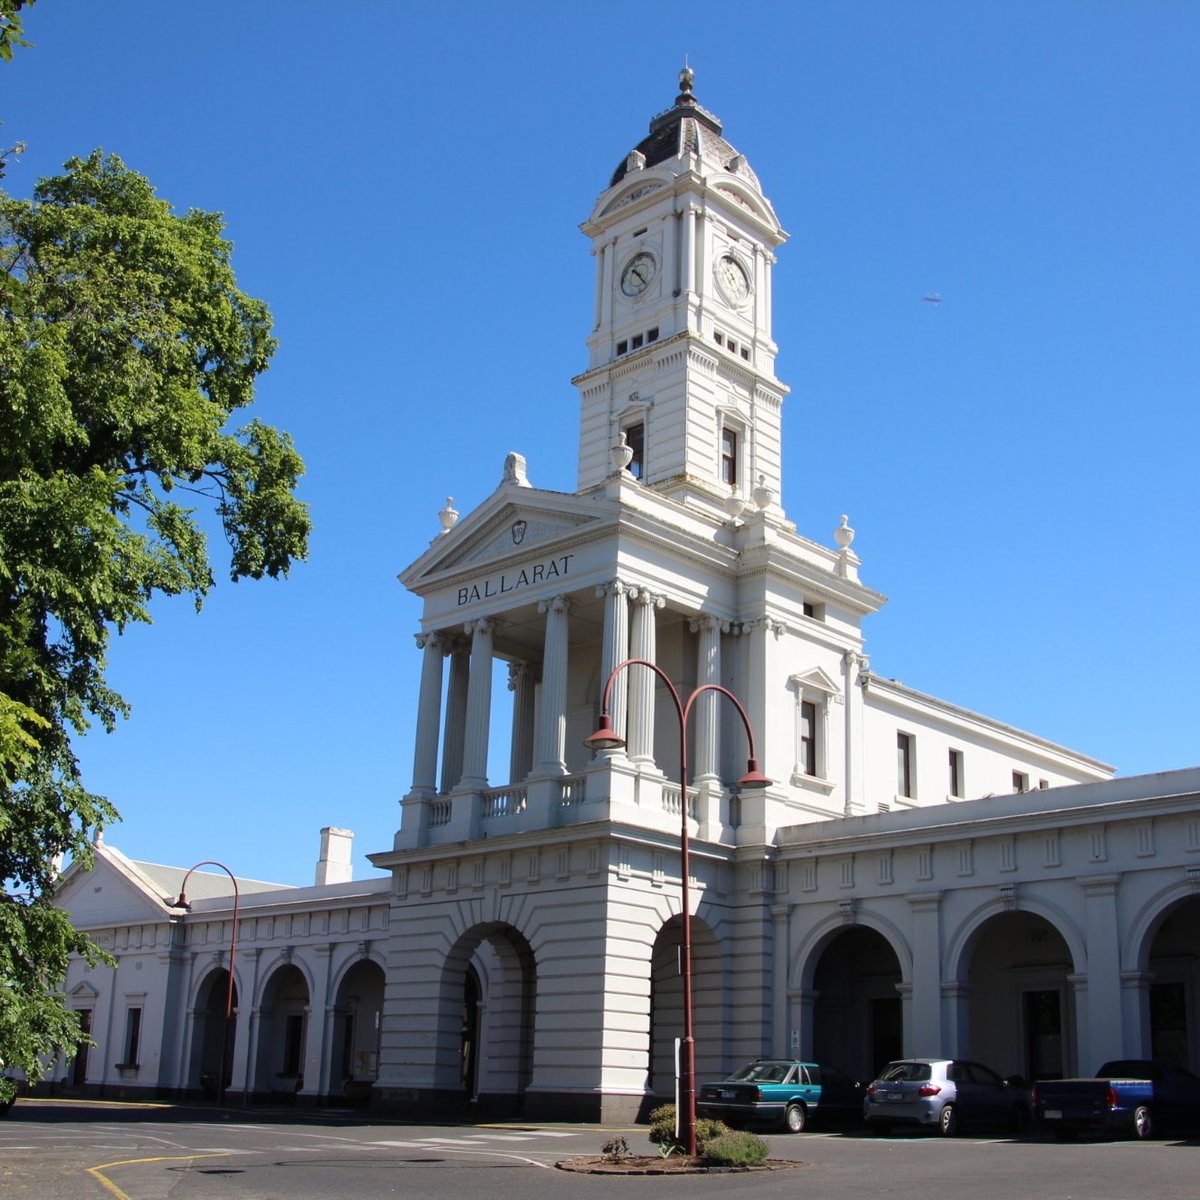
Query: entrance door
(79, 1070)
(1043, 1034)
(1168, 1023)
(887, 1032)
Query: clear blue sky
(403, 184)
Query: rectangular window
(133, 1035)
(635, 436)
(622, 347)
(1043, 784)
(808, 737)
(904, 756)
(719, 338)
(746, 353)
(652, 334)
(729, 457)
(636, 343)
(956, 773)
(1020, 781)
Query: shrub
(662, 1131)
(615, 1149)
(737, 1148)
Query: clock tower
(681, 359)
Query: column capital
(707, 623)
(481, 625)
(646, 598)
(558, 604)
(434, 640)
(614, 587)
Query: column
(479, 706)
(552, 720)
(456, 713)
(642, 644)
(707, 717)
(429, 707)
(1105, 1037)
(926, 1024)
(521, 684)
(615, 651)
(688, 251)
(780, 964)
(853, 800)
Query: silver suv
(945, 1094)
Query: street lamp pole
(606, 738)
(182, 902)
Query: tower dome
(685, 130)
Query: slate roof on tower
(688, 129)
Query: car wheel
(1066, 1135)
(795, 1118)
(1143, 1123)
(1019, 1119)
(948, 1121)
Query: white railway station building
(917, 879)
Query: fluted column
(479, 705)
(707, 755)
(642, 644)
(521, 684)
(429, 707)
(552, 720)
(456, 713)
(615, 650)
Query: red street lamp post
(606, 738)
(182, 902)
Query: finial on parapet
(449, 515)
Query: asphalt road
(56, 1150)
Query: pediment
(636, 190)
(815, 680)
(514, 527)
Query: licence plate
(1053, 1114)
(726, 1095)
(891, 1097)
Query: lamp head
(606, 737)
(182, 903)
(753, 780)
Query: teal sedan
(781, 1091)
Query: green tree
(126, 348)
(10, 26)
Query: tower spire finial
(686, 78)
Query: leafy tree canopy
(10, 26)
(126, 348)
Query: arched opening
(486, 1013)
(858, 1021)
(666, 1006)
(356, 1025)
(1173, 987)
(282, 1033)
(213, 1035)
(1020, 1017)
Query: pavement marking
(96, 1172)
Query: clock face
(732, 279)
(639, 274)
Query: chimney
(334, 865)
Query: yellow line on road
(129, 1162)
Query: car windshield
(765, 1072)
(905, 1072)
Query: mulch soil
(677, 1164)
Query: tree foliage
(126, 349)
(11, 27)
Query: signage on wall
(514, 581)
